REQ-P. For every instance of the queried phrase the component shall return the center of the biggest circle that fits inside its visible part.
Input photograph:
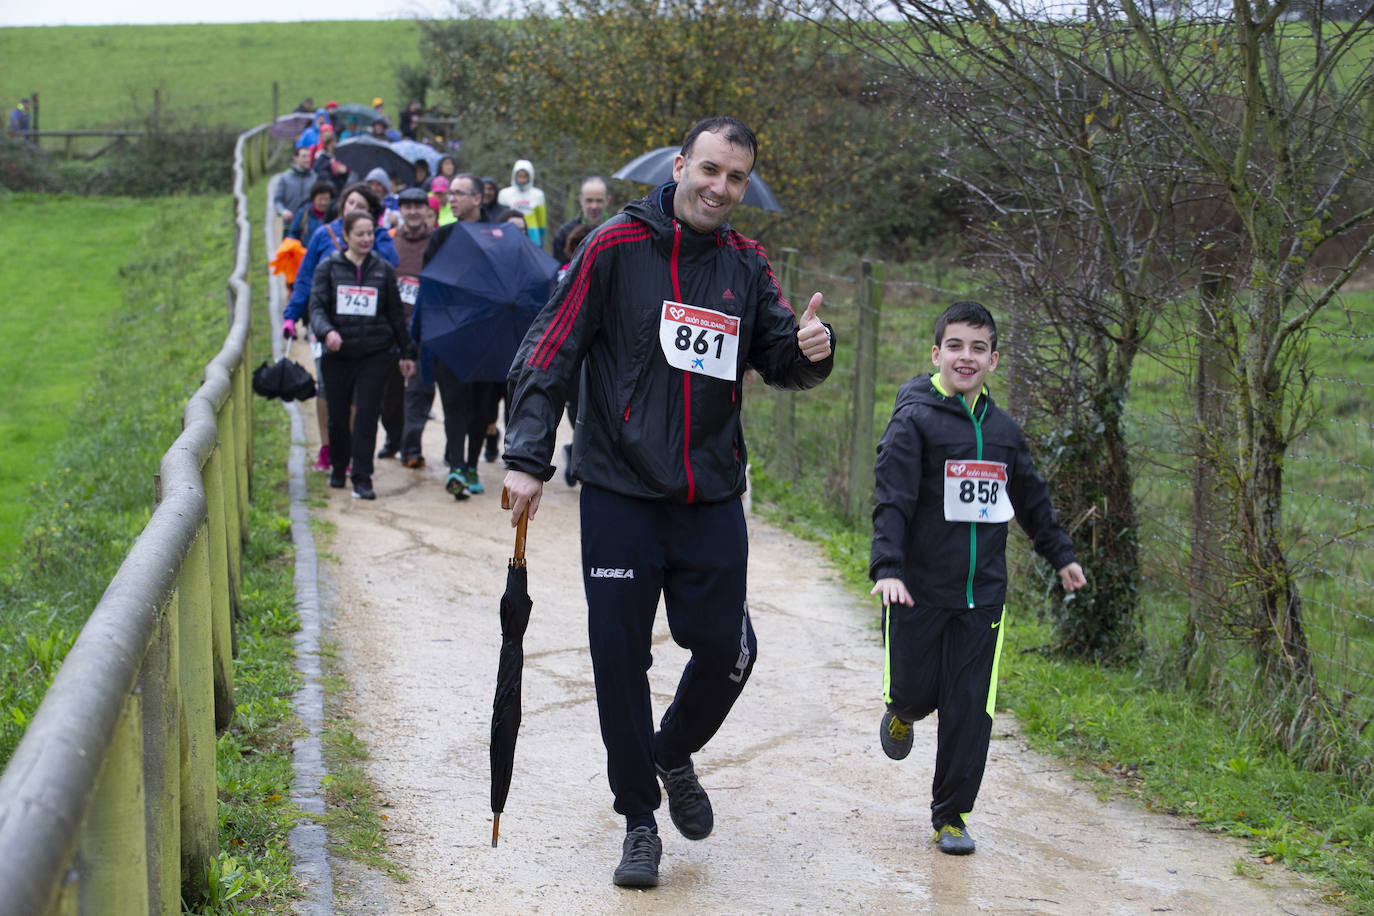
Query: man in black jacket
(664, 307)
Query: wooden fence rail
(108, 805)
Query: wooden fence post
(196, 663)
(785, 402)
(865, 381)
(221, 595)
(112, 853)
(160, 686)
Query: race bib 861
(976, 491)
(699, 340)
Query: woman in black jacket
(355, 308)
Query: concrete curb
(308, 840)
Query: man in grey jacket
(293, 186)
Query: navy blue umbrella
(479, 295)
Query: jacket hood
(922, 390)
(522, 164)
(656, 211)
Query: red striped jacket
(647, 428)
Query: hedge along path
(811, 816)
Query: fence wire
(809, 440)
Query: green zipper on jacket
(972, 526)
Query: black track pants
(696, 556)
(393, 405)
(354, 383)
(465, 422)
(946, 659)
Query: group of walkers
(655, 318)
(356, 292)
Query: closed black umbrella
(285, 379)
(656, 167)
(505, 708)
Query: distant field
(100, 76)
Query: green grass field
(65, 292)
(115, 308)
(214, 75)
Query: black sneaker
(895, 736)
(639, 857)
(687, 802)
(362, 489)
(338, 481)
(953, 841)
(456, 484)
(388, 451)
(491, 451)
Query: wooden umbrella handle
(520, 528)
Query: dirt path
(810, 815)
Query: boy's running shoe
(414, 461)
(338, 481)
(895, 736)
(362, 489)
(455, 484)
(473, 482)
(953, 841)
(491, 452)
(639, 856)
(688, 804)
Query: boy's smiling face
(964, 358)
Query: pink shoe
(322, 462)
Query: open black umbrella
(363, 114)
(290, 126)
(505, 708)
(479, 294)
(656, 167)
(363, 154)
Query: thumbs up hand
(812, 337)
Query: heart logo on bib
(677, 313)
(957, 469)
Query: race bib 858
(976, 491)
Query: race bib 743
(356, 300)
(976, 491)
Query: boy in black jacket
(952, 470)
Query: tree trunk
(1213, 428)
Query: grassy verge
(103, 370)
(254, 756)
(1131, 737)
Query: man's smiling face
(710, 181)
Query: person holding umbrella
(665, 307)
(356, 310)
